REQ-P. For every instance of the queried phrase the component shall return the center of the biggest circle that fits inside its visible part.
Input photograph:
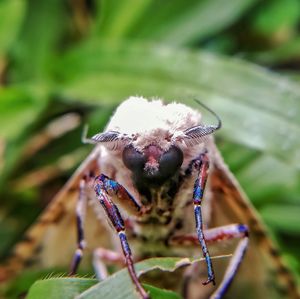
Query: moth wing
(262, 274)
(51, 240)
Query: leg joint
(243, 229)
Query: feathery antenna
(219, 125)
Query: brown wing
(51, 240)
(263, 274)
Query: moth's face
(153, 139)
(152, 165)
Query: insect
(158, 178)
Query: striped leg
(80, 217)
(105, 189)
(202, 164)
(220, 234)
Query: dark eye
(133, 159)
(170, 161)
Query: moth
(156, 185)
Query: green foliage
(117, 286)
(276, 16)
(11, 17)
(59, 288)
(80, 58)
(171, 22)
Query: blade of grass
(38, 39)
(174, 22)
(11, 17)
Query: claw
(209, 280)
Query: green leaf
(284, 218)
(116, 286)
(173, 22)
(17, 109)
(282, 54)
(267, 187)
(41, 32)
(56, 288)
(259, 108)
(117, 19)
(119, 285)
(21, 284)
(193, 22)
(11, 17)
(277, 15)
(160, 293)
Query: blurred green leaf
(173, 22)
(263, 178)
(116, 18)
(285, 53)
(259, 109)
(260, 174)
(38, 39)
(284, 218)
(11, 17)
(277, 15)
(21, 284)
(18, 107)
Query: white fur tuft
(153, 122)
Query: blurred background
(64, 63)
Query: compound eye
(133, 159)
(170, 161)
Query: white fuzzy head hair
(154, 128)
(152, 122)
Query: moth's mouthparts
(152, 166)
(152, 154)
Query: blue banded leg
(216, 235)
(118, 192)
(105, 188)
(80, 217)
(202, 165)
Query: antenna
(219, 125)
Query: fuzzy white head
(152, 122)
(154, 140)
